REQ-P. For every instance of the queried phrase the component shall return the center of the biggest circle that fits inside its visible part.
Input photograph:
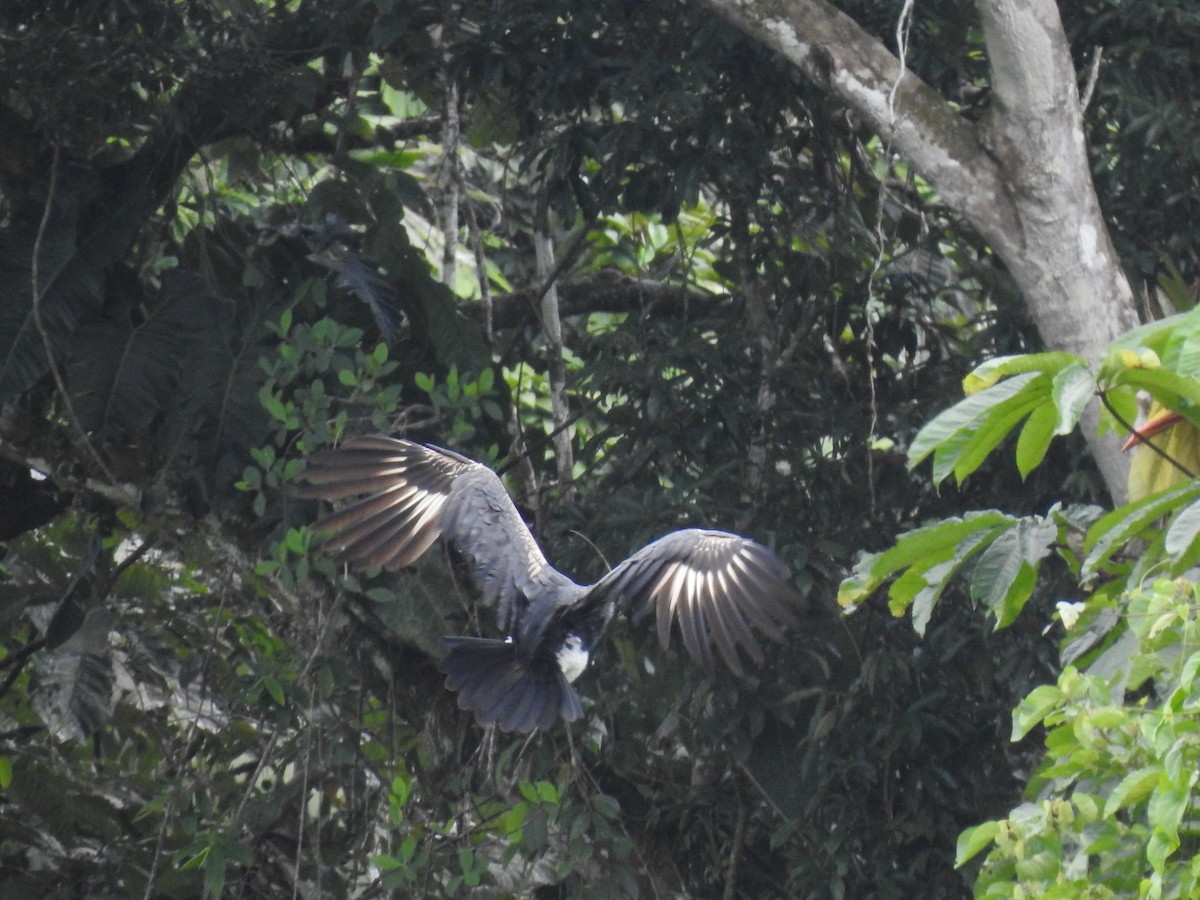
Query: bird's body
(718, 585)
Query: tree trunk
(1020, 176)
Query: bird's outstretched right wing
(720, 586)
(410, 495)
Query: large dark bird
(718, 585)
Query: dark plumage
(720, 587)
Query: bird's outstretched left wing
(411, 495)
(720, 586)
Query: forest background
(662, 262)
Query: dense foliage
(1112, 804)
(233, 233)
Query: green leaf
(1072, 390)
(401, 787)
(962, 418)
(971, 841)
(1168, 803)
(1126, 522)
(1154, 335)
(6, 772)
(296, 540)
(911, 548)
(1133, 788)
(1035, 438)
(1174, 391)
(989, 373)
(273, 405)
(1181, 534)
(1007, 571)
(606, 806)
(929, 578)
(1158, 848)
(1033, 709)
(274, 688)
(407, 848)
(996, 426)
(1182, 351)
(214, 871)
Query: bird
(1167, 449)
(720, 587)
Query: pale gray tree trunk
(1019, 176)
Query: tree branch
(1020, 177)
(837, 54)
(601, 293)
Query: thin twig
(481, 275)
(735, 852)
(39, 325)
(903, 23)
(1093, 77)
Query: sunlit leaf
(1035, 438)
(965, 415)
(971, 841)
(1174, 391)
(1030, 712)
(1124, 523)
(914, 547)
(1072, 389)
(991, 372)
(1183, 531)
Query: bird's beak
(1152, 426)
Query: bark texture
(1020, 176)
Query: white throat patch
(572, 657)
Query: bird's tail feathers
(501, 687)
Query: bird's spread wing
(721, 588)
(410, 495)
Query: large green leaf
(1035, 438)
(1073, 389)
(77, 243)
(127, 365)
(915, 548)
(1173, 390)
(1183, 531)
(1030, 712)
(1154, 335)
(935, 578)
(993, 429)
(1007, 571)
(1183, 350)
(953, 423)
(991, 372)
(1123, 524)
